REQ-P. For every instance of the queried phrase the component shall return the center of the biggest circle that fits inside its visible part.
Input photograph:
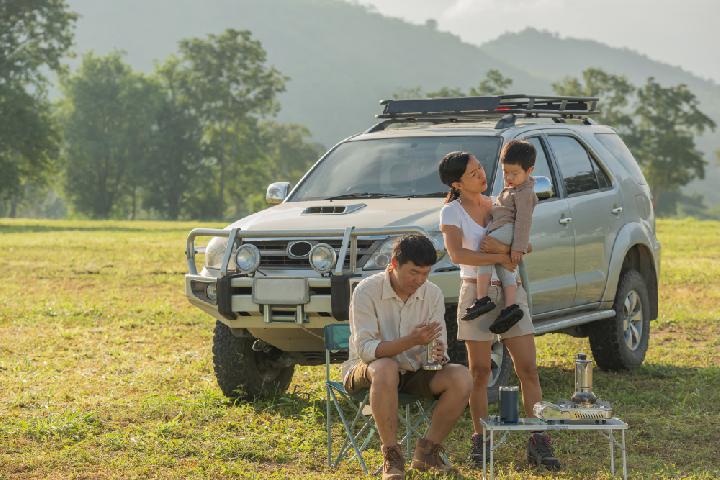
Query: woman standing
(462, 221)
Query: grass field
(106, 370)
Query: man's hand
(439, 351)
(423, 334)
(516, 256)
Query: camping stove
(584, 404)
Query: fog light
(322, 258)
(211, 292)
(247, 258)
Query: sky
(681, 32)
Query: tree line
(198, 137)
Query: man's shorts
(414, 383)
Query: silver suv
(274, 279)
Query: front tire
(500, 360)
(620, 343)
(243, 373)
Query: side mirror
(276, 192)
(543, 188)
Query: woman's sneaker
(479, 450)
(481, 306)
(540, 452)
(508, 317)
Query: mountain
(341, 58)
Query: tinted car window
(574, 163)
(542, 167)
(603, 179)
(391, 166)
(619, 150)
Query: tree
(107, 112)
(614, 91)
(34, 36)
(494, 83)
(228, 88)
(667, 119)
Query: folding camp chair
(359, 427)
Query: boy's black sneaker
(508, 317)
(481, 305)
(479, 450)
(540, 452)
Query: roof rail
(473, 109)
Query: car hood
(364, 213)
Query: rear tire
(243, 373)
(620, 342)
(501, 363)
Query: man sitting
(393, 316)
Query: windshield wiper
(362, 195)
(426, 195)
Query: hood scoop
(333, 209)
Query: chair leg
(348, 432)
(328, 423)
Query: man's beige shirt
(377, 314)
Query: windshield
(390, 167)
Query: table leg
(492, 437)
(484, 471)
(612, 451)
(624, 459)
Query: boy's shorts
(414, 383)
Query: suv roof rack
(473, 109)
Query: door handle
(616, 210)
(565, 220)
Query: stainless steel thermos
(509, 397)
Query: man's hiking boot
(479, 450)
(481, 306)
(508, 317)
(540, 452)
(427, 457)
(393, 463)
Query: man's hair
(414, 248)
(518, 152)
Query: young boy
(510, 224)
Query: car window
(391, 166)
(602, 177)
(574, 162)
(542, 167)
(620, 151)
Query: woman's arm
(460, 255)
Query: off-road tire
(243, 373)
(502, 363)
(608, 337)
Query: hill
(342, 58)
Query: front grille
(274, 254)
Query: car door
(595, 210)
(550, 267)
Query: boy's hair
(414, 248)
(518, 152)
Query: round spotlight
(211, 291)
(247, 258)
(322, 258)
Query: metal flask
(509, 397)
(583, 381)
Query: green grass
(106, 370)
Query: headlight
(247, 258)
(322, 258)
(381, 258)
(214, 252)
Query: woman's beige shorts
(479, 328)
